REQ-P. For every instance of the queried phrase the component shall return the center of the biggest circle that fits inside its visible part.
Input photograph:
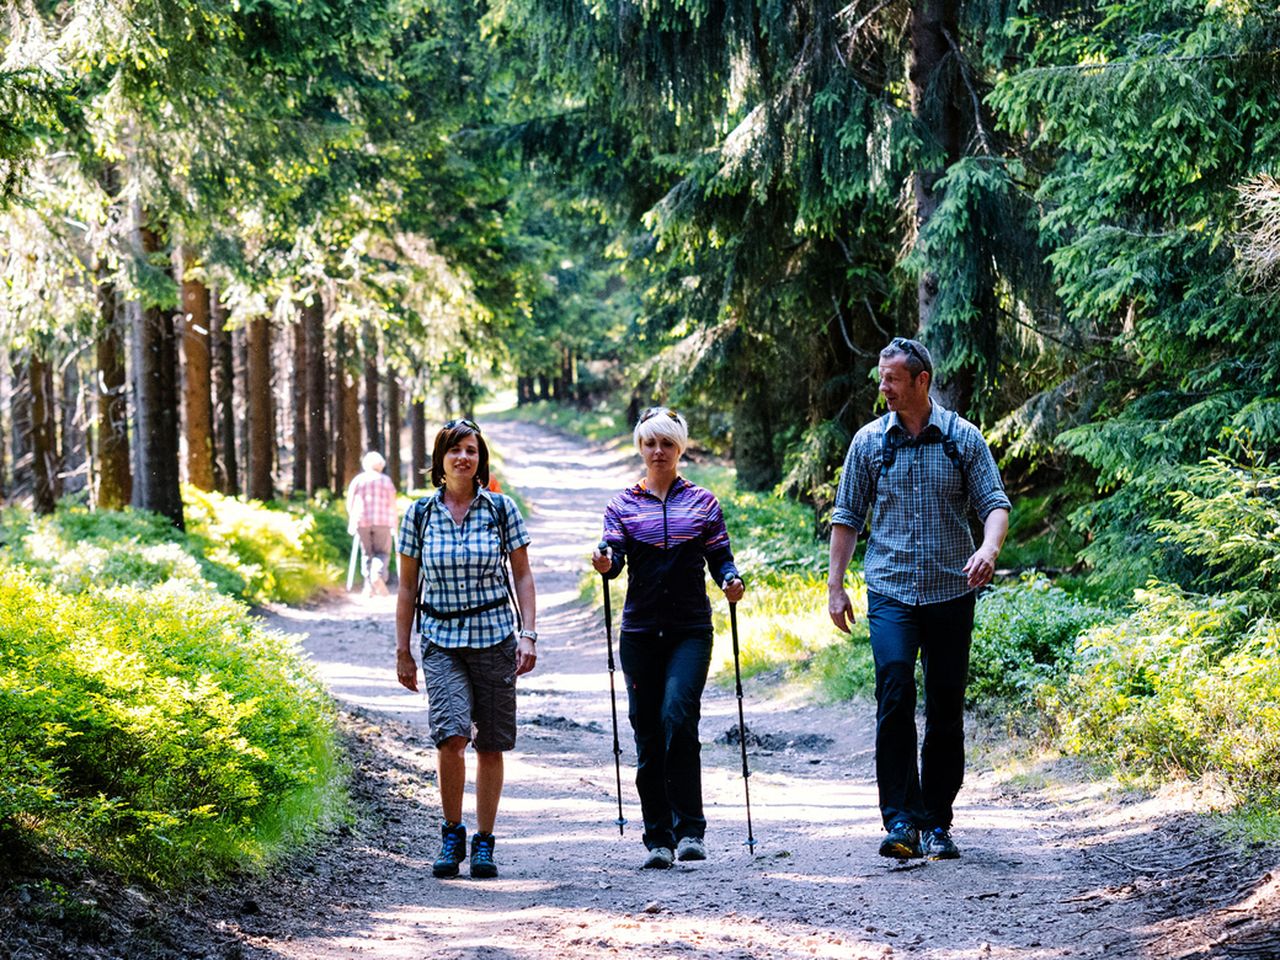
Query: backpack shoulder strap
(952, 450)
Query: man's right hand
(840, 608)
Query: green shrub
(159, 730)
(1023, 636)
(1187, 685)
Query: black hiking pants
(940, 634)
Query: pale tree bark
(244, 449)
(20, 414)
(222, 362)
(74, 475)
(156, 484)
(115, 476)
(317, 380)
(394, 426)
(44, 437)
(300, 417)
(197, 381)
(261, 422)
(419, 477)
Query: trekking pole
(351, 564)
(613, 695)
(742, 726)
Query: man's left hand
(981, 567)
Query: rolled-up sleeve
(853, 495)
(986, 489)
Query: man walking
(917, 469)
(371, 513)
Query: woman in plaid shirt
(671, 530)
(453, 551)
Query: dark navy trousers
(666, 671)
(940, 634)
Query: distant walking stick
(613, 695)
(351, 564)
(742, 725)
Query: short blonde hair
(373, 460)
(662, 422)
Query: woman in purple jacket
(668, 528)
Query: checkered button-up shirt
(920, 536)
(371, 500)
(462, 566)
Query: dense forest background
(244, 242)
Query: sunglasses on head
(655, 411)
(463, 422)
(908, 346)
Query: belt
(437, 614)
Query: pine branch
(965, 74)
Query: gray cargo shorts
(471, 692)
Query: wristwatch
(529, 635)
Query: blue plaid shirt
(462, 566)
(920, 536)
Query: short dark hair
(917, 354)
(450, 435)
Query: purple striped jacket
(667, 543)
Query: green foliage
(244, 549)
(1023, 637)
(1186, 686)
(159, 730)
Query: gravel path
(1074, 870)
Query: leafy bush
(1187, 685)
(160, 730)
(1023, 636)
(244, 549)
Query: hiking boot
(482, 863)
(691, 848)
(936, 844)
(660, 858)
(453, 850)
(903, 841)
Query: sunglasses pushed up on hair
(463, 422)
(656, 411)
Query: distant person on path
(371, 513)
(454, 551)
(668, 528)
(918, 469)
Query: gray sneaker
(691, 848)
(660, 858)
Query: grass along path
(1068, 870)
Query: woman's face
(660, 453)
(462, 459)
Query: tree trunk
(20, 413)
(262, 439)
(223, 364)
(524, 391)
(115, 476)
(351, 427)
(419, 468)
(44, 435)
(936, 105)
(244, 449)
(300, 452)
(156, 483)
(753, 449)
(393, 428)
(372, 419)
(197, 382)
(74, 455)
(317, 436)
(544, 387)
(336, 408)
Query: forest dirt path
(1064, 871)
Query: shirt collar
(936, 410)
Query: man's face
(901, 390)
